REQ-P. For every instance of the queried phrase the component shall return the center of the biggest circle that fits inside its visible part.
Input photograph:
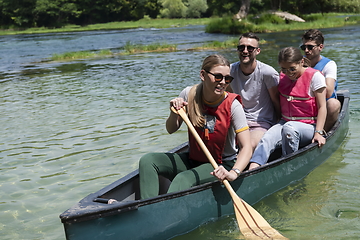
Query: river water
(71, 128)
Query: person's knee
(289, 131)
(333, 106)
(183, 178)
(182, 181)
(146, 160)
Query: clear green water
(69, 129)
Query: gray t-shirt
(253, 90)
(238, 123)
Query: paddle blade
(252, 225)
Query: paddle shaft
(203, 147)
(193, 131)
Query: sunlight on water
(69, 129)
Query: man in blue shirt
(313, 44)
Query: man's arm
(330, 73)
(274, 95)
(330, 86)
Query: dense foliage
(272, 23)
(57, 13)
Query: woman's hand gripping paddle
(251, 224)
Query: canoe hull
(169, 215)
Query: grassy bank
(134, 48)
(272, 23)
(128, 49)
(143, 23)
(264, 23)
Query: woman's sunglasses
(250, 49)
(309, 47)
(289, 70)
(219, 77)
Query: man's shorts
(258, 126)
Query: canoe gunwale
(104, 210)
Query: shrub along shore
(143, 23)
(272, 23)
(257, 24)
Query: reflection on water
(69, 129)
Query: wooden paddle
(251, 224)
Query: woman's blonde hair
(195, 97)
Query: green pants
(183, 172)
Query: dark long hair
(292, 55)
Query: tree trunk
(244, 9)
(275, 5)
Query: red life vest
(214, 138)
(296, 103)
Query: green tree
(221, 8)
(244, 9)
(195, 8)
(173, 9)
(310, 6)
(152, 8)
(54, 13)
(101, 11)
(17, 12)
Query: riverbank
(143, 23)
(258, 23)
(266, 22)
(130, 48)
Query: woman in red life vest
(219, 119)
(303, 108)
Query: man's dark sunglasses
(309, 47)
(219, 77)
(250, 49)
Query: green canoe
(115, 212)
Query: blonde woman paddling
(219, 119)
